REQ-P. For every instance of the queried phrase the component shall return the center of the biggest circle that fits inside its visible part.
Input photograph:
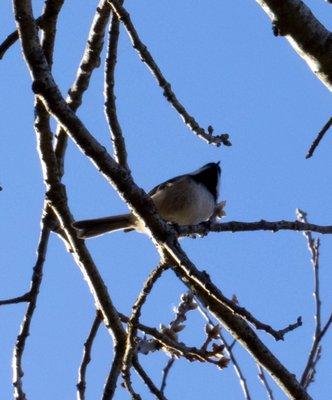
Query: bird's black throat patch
(209, 177)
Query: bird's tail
(95, 227)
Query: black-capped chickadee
(185, 200)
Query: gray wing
(163, 185)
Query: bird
(187, 199)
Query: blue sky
(231, 72)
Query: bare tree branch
(120, 153)
(238, 226)
(230, 353)
(113, 375)
(10, 40)
(16, 300)
(315, 352)
(265, 383)
(170, 345)
(147, 58)
(318, 138)
(81, 384)
(163, 236)
(13, 37)
(25, 327)
(166, 371)
(56, 196)
(147, 380)
(134, 320)
(90, 61)
(308, 37)
(327, 325)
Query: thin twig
(16, 300)
(166, 371)
(172, 346)
(236, 366)
(318, 138)
(147, 58)
(147, 380)
(13, 37)
(265, 383)
(308, 374)
(120, 153)
(230, 353)
(25, 326)
(326, 327)
(245, 314)
(81, 384)
(134, 320)
(238, 226)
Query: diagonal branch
(147, 58)
(147, 380)
(13, 37)
(318, 138)
(308, 37)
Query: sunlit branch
(305, 33)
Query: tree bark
(308, 37)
